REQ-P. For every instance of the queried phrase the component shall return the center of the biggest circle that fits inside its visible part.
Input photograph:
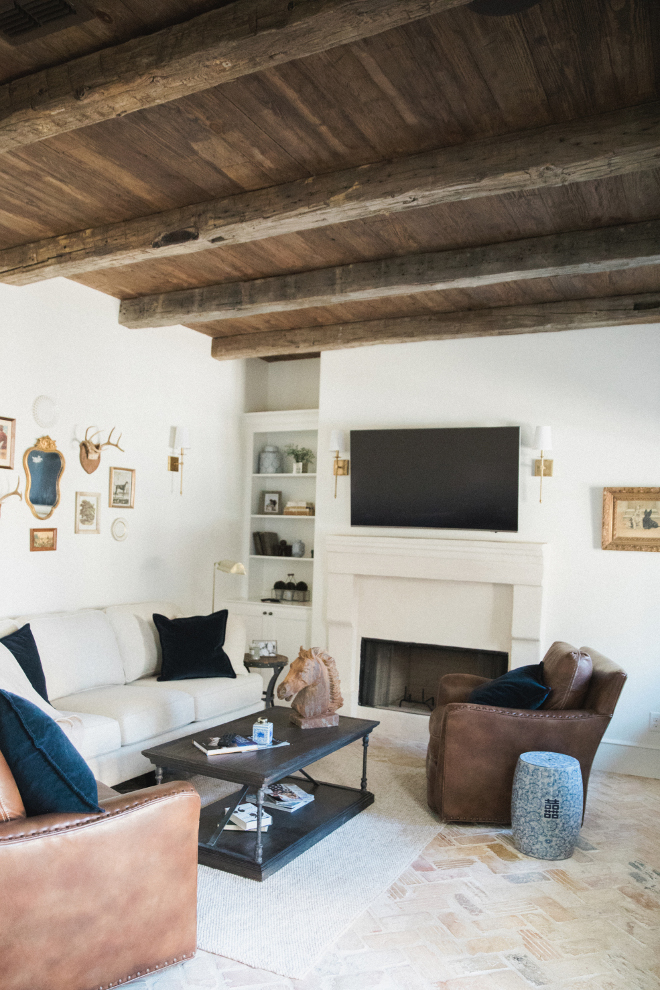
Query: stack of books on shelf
(266, 544)
(299, 509)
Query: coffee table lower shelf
(290, 834)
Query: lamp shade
(230, 566)
(338, 440)
(181, 437)
(543, 438)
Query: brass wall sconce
(542, 466)
(180, 441)
(338, 444)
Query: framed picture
(88, 505)
(270, 504)
(7, 442)
(122, 488)
(631, 519)
(43, 539)
(267, 647)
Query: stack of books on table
(231, 742)
(299, 509)
(244, 819)
(286, 797)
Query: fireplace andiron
(312, 686)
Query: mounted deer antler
(9, 494)
(90, 452)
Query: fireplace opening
(404, 676)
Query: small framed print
(122, 488)
(7, 442)
(270, 504)
(631, 519)
(43, 539)
(267, 647)
(88, 505)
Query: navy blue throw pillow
(21, 643)
(50, 773)
(519, 688)
(192, 647)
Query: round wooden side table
(278, 663)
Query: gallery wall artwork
(44, 465)
(631, 519)
(88, 505)
(43, 539)
(122, 488)
(7, 442)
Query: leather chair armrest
(457, 687)
(117, 889)
(480, 746)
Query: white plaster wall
(600, 392)
(62, 339)
(272, 385)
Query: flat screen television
(456, 478)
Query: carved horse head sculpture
(313, 684)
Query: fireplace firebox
(404, 676)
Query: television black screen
(457, 478)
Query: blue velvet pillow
(50, 773)
(21, 643)
(519, 688)
(192, 647)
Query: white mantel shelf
(492, 561)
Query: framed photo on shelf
(122, 488)
(88, 505)
(270, 504)
(7, 442)
(43, 539)
(631, 519)
(267, 647)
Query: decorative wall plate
(45, 411)
(119, 530)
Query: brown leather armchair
(93, 901)
(473, 749)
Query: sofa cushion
(50, 773)
(92, 735)
(192, 647)
(11, 805)
(138, 640)
(14, 679)
(215, 696)
(235, 644)
(21, 643)
(7, 626)
(78, 651)
(521, 687)
(567, 672)
(140, 711)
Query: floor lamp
(227, 567)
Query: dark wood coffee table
(257, 855)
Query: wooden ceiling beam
(216, 47)
(575, 253)
(583, 150)
(580, 314)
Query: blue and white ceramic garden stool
(546, 806)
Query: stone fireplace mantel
(486, 594)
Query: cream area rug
(286, 922)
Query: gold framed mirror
(44, 465)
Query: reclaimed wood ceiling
(443, 81)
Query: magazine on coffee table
(286, 797)
(232, 742)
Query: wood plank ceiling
(452, 80)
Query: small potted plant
(301, 457)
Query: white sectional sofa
(101, 669)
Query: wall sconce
(542, 466)
(337, 444)
(180, 441)
(227, 567)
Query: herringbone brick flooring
(473, 914)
